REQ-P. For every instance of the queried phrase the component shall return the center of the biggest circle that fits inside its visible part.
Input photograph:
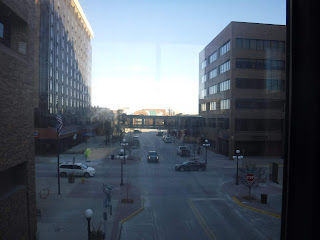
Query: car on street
(153, 156)
(136, 131)
(77, 169)
(179, 149)
(167, 139)
(159, 133)
(191, 166)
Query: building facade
(18, 87)
(65, 69)
(242, 89)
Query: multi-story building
(241, 89)
(65, 68)
(18, 84)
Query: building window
(203, 64)
(213, 73)
(225, 104)
(213, 89)
(203, 107)
(203, 78)
(225, 85)
(225, 48)
(213, 106)
(224, 67)
(203, 93)
(213, 57)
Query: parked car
(191, 166)
(136, 131)
(167, 139)
(153, 156)
(78, 169)
(180, 148)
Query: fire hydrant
(82, 180)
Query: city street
(176, 205)
(190, 205)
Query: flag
(59, 125)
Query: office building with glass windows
(242, 89)
(65, 69)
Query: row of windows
(259, 44)
(249, 63)
(258, 124)
(216, 105)
(274, 85)
(224, 67)
(221, 123)
(220, 87)
(246, 124)
(259, 104)
(69, 92)
(214, 56)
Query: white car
(167, 139)
(78, 169)
(179, 149)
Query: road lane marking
(255, 209)
(201, 220)
(204, 199)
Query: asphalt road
(180, 205)
(191, 205)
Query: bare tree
(250, 175)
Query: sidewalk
(62, 215)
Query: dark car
(191, 166)
(185, 152)
(153, 156)
(159, 133)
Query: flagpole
(58, 152)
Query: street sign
(250, 177)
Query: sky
(145, 53)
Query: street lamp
(88, 213)
(124, 144)
(206, 145)
(237, 156)
(122, 153)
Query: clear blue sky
(145, 52)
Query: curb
(133, 214)
(130, 216)
(255, 209)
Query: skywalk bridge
(164, 122)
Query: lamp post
(124, 144)
(88, 213)
(122, 153)
(206, 145)
(237, 156)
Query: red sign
(250, 177)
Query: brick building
(241, 89)
(18, 84)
